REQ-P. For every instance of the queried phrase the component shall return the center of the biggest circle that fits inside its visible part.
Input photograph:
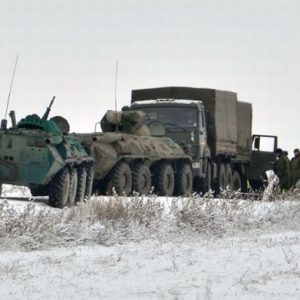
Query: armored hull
(130, 157)
(36, 153)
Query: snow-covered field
(151, 248)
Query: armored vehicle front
(40, 154)
(130, 156)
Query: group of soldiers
(288, 171)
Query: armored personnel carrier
(130, 156)
(40, 154)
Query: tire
(89, 182)
(73, 186)
(121, 179)
(222, 177)
(228, 172)
(59, 189)
(164, 180)
(184, 180)
(236, 181)
(141, 179)
(81, 185)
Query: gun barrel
(13, 118)
(46, 114)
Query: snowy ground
(154, 249)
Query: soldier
(295, 167)
(286, 153)
(282, 170)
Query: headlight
(192, 136)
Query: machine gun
(45, 116)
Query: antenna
(12, 81)
(116, 104)
(116, 79)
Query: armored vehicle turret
(130, 156)
(40, 154)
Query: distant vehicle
(218, 130)
(40, 154)
(131, 157)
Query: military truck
(132, 157)
(218, 130)
(40, 154)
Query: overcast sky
(70, 48)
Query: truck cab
(185, 123)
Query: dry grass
(112, 220)
(232, 214)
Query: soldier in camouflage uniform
(295, 167)
(282, 170)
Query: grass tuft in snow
(231, 215)
(117, 220)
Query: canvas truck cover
(220, 105)
(244, 118)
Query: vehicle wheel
(121, 179)
(141, 179)
(222, 177)
(184, 180)
(164, 180)
(81, 185)
(89, 182)
(236, 181)
(73, 186)
(59, 189)
(228, 175)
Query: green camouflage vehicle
(40, 154)
(129, 156)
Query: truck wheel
(184, 180)
(228, 175)
(236, 181)
(141, 179)
(81, 185)
(89, 182)
(73, 186)
(59, 189)
(165, 181)
(122, 179)
(222, 177)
